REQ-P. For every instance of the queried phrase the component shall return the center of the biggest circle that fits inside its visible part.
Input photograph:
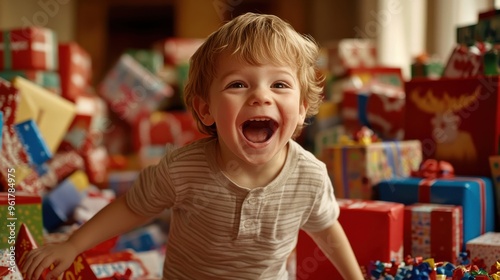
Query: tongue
(257, 132)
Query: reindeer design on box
(452, 143)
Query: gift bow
(434, 169)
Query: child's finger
(43, 263)
(29, 259)
(31, 262)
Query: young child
(239, 197)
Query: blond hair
(256, 39)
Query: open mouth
(259, 130)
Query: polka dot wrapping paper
(486, 247)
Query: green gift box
(17, 208)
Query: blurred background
(402, 29)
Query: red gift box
(178, 50)
(80, 269)
(379, 111)
(458, 121)
(374, 229)
(433, 230)
(118, 265)
(75, 69)
(160, 128)
(62, 164)
(96, 160)
(463, 63)
(351, 53)
(31, 47)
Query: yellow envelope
(52, 113)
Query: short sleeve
(325, 210)
(153, 191)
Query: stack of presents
(414, 163)
(69, 148)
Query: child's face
(256, 109)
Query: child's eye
(236, 85)
(280, 85)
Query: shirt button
(252, 200)
(248, 224)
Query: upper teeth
(259, 119)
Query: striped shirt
(220, 230)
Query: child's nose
(261, 96)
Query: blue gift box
(1, 125)
(474, 194)
(33, 142)
(59, 204)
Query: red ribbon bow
(433, 169)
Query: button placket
(250, 215)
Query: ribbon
(432, 169)
(7, 56)
(363, 108)
(392, 153)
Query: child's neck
(249, 175)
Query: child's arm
(112, 220)
(334, 244)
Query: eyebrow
(239, 71)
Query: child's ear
(203, 111)
(303, 110)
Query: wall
(54, 14)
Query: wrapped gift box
(32, 140)
(25, 208)
(485, 247)
(433, 230)
(15, 159)
(150, 59)
(388, 79)
(474, 194)
(60, 203)
(464, 62)
(177, 50)
(32, 47)
(50, 80)
(451, 124)
(62, 165)
(130, 89)
(25, 242)
(350, 53)
(354, 169)
(53, 114)
(467, 35)
(495, 175)
(426, 67)
(160, 128)
(75, 69)
(118, 265)
(375, 109)
(374, 229)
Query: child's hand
(61, 255)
